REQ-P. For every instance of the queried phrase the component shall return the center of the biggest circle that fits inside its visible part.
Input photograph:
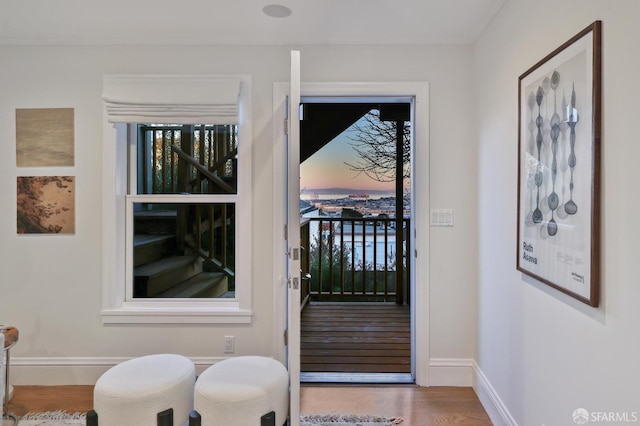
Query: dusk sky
(327, 169)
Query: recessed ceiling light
(276, 11)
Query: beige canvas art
(46, 205)
(45, 137)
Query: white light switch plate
(441, 217)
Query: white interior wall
(51, 284)
(544, 353)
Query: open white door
(293, 239)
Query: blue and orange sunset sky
(327, 169)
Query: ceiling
(240, 22)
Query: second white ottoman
(135, 391)
(239, 391)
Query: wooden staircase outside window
(160, 270)
(184, 249)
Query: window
(181, 219)
(177, 201)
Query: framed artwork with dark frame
(559, 124)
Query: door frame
(420, 325)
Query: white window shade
(171, 99)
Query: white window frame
(118, 306)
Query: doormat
(52, 418)
(61, 418)
(348, 420)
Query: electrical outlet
(229, 344)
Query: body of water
(339, 195)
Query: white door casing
(284, 170)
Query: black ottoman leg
(92, 418)
(165, 418)
(268, 419)
(195, 419)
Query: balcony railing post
(330, 248)
(320, 256)
(386, 258)
(342, 262)
(353, 256)
(364, 259)
(375, 256)
(305, 260)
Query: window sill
(176, 313)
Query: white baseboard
(491, 401)
(466, 372)
(52, 371)
(450, 372)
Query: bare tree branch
(375, 143)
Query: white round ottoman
(135, 391)
(239, 391)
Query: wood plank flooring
(37, 399)
(355, 338)
(435, 406)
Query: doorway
(419, 293)
(355, 209)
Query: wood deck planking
(355, 338)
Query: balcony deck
(355, 338)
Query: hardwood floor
(435, 406)
(36, 399)
(418, 406)
(355, 338)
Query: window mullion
(132, 148)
